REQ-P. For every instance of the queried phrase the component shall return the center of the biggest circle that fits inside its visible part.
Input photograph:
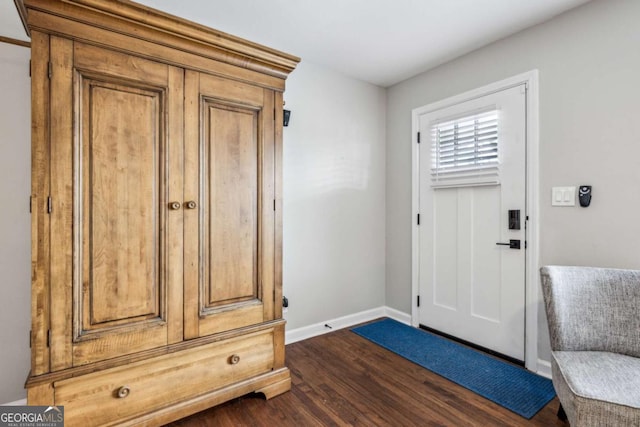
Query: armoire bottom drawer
(119, 393)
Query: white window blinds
(465, 150)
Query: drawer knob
(174, 206)
(191, 205)
(123, 391)
(234, 359)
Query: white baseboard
(397, 315)
(21, 402)
(544, 368)
(327, 326)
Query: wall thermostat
(584, 195)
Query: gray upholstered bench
(594, 326)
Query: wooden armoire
(156, 214)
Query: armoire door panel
(121, 191)
(122, 169)
(228, 158)
(231, 214)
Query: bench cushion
(598, 388)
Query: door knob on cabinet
(123, 391)
(174, 206)
(234, 359)
(190, 204)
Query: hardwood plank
(343, 379)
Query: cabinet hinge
(30, 203)
(49, 69)
(418, 137)
(418, 300)
(30, 338)
(274, 295)
(29, 68)
(49, 205)
(418, 219)
(274, 204)
(48, 337)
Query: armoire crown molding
(146, 24)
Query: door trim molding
(532, 278)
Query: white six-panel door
(471, 287)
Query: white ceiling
(378, 41)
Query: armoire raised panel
(230, 154)
(156, 214)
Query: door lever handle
(513, 244)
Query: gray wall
(589, 63)
(334, 195)
(15, 252)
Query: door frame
(532, 211)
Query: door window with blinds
(465, 149)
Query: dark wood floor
(341, 379)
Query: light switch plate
(563, 196)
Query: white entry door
(471, 251)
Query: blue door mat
(510, 386)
